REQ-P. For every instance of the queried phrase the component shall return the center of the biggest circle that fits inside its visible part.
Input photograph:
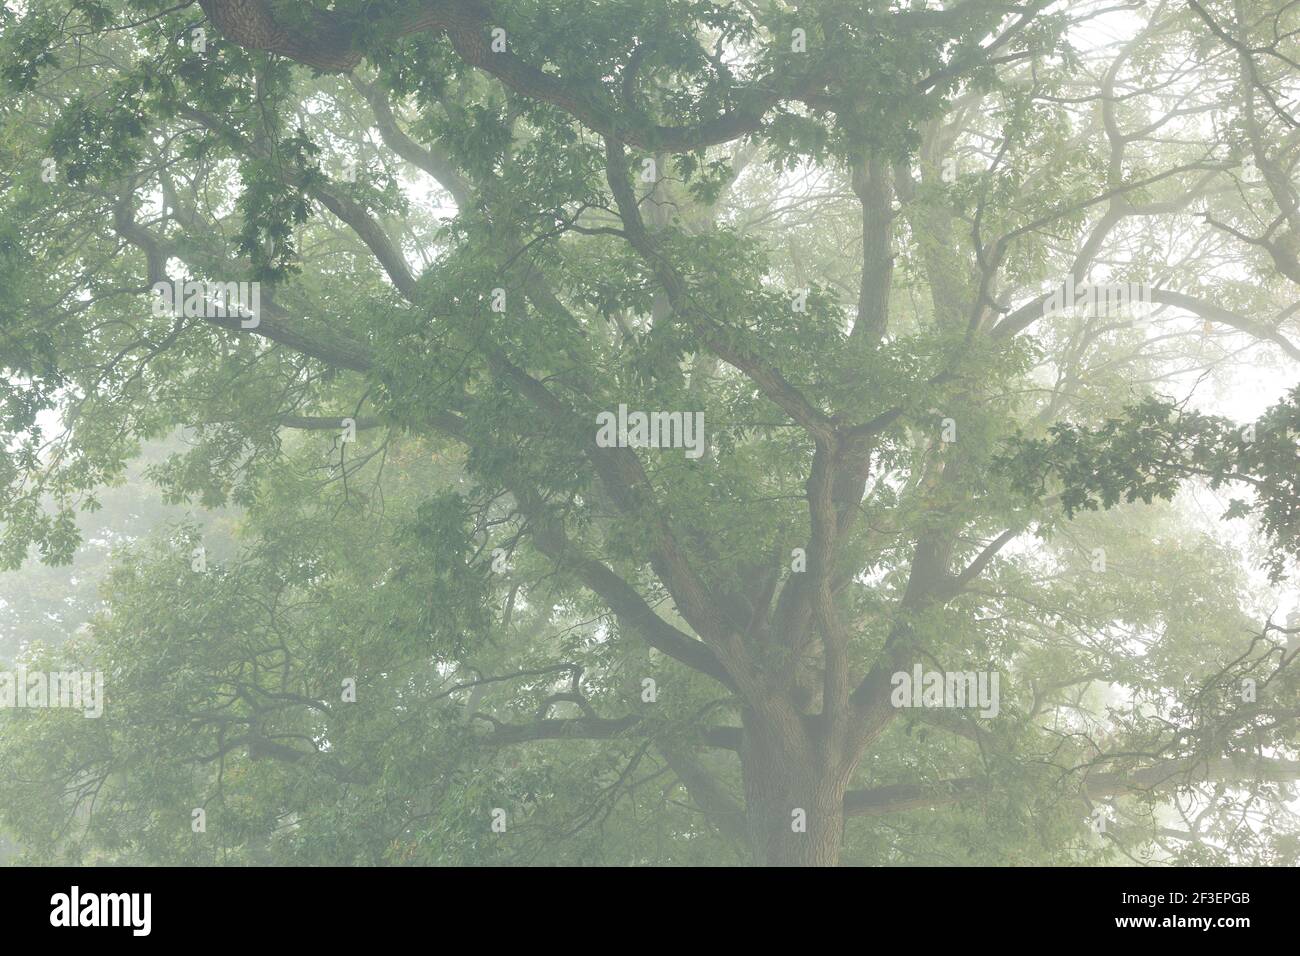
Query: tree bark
(794, 797)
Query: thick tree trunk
(794, 800)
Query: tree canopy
(962, 296)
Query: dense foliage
(439, 622)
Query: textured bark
(785, 770)
(870, 181)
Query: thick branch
(1165, 776)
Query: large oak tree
(834, 228)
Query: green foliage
(495, 586)
(1155, 447)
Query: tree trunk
(794, 799)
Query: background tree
(832, 228)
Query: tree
(474, 620)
